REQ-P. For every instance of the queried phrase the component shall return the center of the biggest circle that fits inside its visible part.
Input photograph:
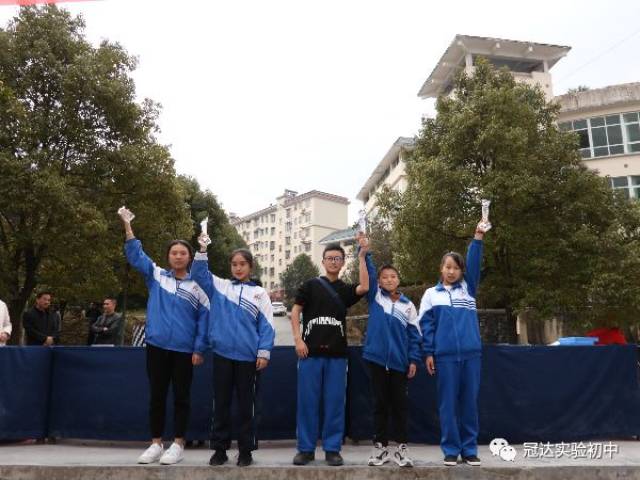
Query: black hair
(44, 292)
(456, 257)
(333, 246)
(185, 244)
(113, 299)
(246, 254)
(388, 266)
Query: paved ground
(76, 459)
(283, 330)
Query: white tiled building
(606, 119)
(294, 224)
(390, 171)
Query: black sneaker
(218, 458)
(244, 459)
(302, 458)
(472, 460)
(334, 459)
(451, 460)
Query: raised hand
(363, 243)
(203, 241)
(125, 214)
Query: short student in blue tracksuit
(241, 335)
(392, 350)
(452, 346)
(176, 326)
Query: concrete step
(104, 461)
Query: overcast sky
(259, 96)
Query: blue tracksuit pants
(458, 388)
(321, 379)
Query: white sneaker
(401, 456)
(151, 454)
(379, 455)
(174, 454)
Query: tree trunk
(20, 295)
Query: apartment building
(294, 224)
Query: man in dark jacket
(91, 314)
(41, 323)
(107, 327)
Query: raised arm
(373, 278)
(474, 261)
(201, 275)
(363, 274)
(136, 256)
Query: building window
(287, 240)
(630, 184)
(288, 213)
(307, 247)
(272, 272)
(273, 218)
(280, 248)
(280, 262)
(272, 246)
(273, 258)
(287, 255)
(272, 285)
(273, 230)
(604, 136)
(295, 249)
(287, 227)
(632, 129)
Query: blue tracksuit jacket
(393, 334)
(177, 310)
(448, 317)
(241, 316)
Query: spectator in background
(41, 323)
(91, 314)
(5, 324)
(107, 328)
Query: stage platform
(75, 460)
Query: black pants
(389, 402)
(165, 367)
(230, 375)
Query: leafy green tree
(301, 269)
(74, 146)
(381, 240)
(224, 237)
(562, 241)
